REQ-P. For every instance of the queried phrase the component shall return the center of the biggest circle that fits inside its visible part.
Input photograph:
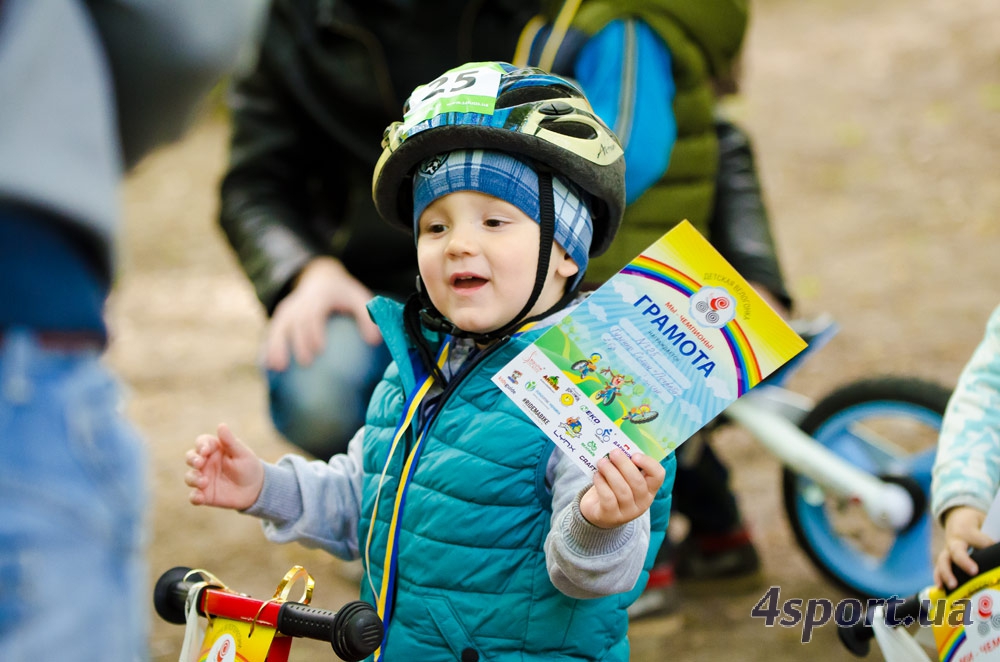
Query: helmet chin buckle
(434, 321)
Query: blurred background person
(86, 90)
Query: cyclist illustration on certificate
(651, 356)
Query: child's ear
(567, 266)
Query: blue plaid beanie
(512, 180)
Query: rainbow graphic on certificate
(747, 368)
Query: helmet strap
(413, 316)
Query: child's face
(478, 256)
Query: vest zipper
(453, 384)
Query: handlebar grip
(986, 558)
(298, 620)
(171, 593)
(355, 631)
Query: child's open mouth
(467, 282)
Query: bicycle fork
(887, 503)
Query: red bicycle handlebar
(354, 632)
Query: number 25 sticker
(471, 88)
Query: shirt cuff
(280, 499)
(956, 500)
(585, 539)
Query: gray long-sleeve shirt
(318, 504)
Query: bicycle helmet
(536, 116)
(497, 106)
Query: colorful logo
(989, 620)
(567, 399)
(572, 426)
(985, 606)
(713, 307)
(223, 650)
(530, 386)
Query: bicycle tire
(906, 566)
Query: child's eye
(434, 228)
(493, 222)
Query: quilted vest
(471, 579)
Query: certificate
(651, 356)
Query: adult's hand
(298, 326)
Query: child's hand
(224, 471)
(623, 489)
(962, 529)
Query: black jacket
(739, 226)
(307, 124)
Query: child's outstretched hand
(224, 471)
(962, 529)
(623, 489)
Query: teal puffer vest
(471, 577)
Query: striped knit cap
(512, 180)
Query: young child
(967, 466)
(480, 539)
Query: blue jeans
(320, 407)
(72, 502)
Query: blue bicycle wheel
(888, 427)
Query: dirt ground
(877, 127)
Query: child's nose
(462, 242)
